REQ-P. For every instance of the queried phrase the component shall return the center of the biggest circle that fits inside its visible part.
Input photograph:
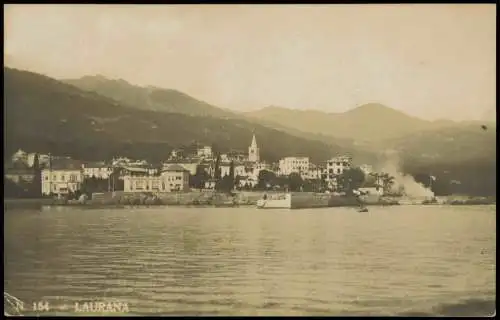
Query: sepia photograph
(250, 160)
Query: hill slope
(46, 115)
(367, 123)
(168, 100)
(464, 143)
(363, 131)
(148, 98)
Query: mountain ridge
(371, 118)
(56, 117)
(147, 97)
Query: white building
(253, 151)
(19, 172)
(43, 159)
(121, 161)
(173, 178)
(138, 163)
(205, 152)
(290, 165)
(139, 171)
(239, 169)
(248, 181)
(338, 165)
(29, 158)
(98, 170)
(20, 156)
(189, 165)
(315, 172)
(176, 154)
(335, 167)
(62, 177)
(256, 168)
(233, 155)
(210, 184)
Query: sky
(433, 61)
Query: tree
(237, 180)
(350, 180)
(158, 168)
(199, 178)
(295, 181)
(36, 188)
(231, 175)
(371, 180)
(265, 178)
(115, 182)
(309, 186)
(217, 170)
(225, 184)
(387, 182)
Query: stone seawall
(178, 198)
(245, 198)
(302, 200)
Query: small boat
(362, 209)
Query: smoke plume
(402, 182)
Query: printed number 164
(40, 306)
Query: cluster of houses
(62, 175)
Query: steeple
(254, 141)
(253, 150)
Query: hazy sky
(432, 61)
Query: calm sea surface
(407, 260)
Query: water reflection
(222, 261)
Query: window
(178, 178)
(46, 178)
(63, 177)
(54, 177)
(155, 185)
(338, 170)
(139, 185)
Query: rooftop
(98, 164)
(183, 161)
(64, 164)
(136, 169)
(174, 168)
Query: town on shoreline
(201, 175)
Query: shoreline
(193, 200)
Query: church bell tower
(253, 151)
